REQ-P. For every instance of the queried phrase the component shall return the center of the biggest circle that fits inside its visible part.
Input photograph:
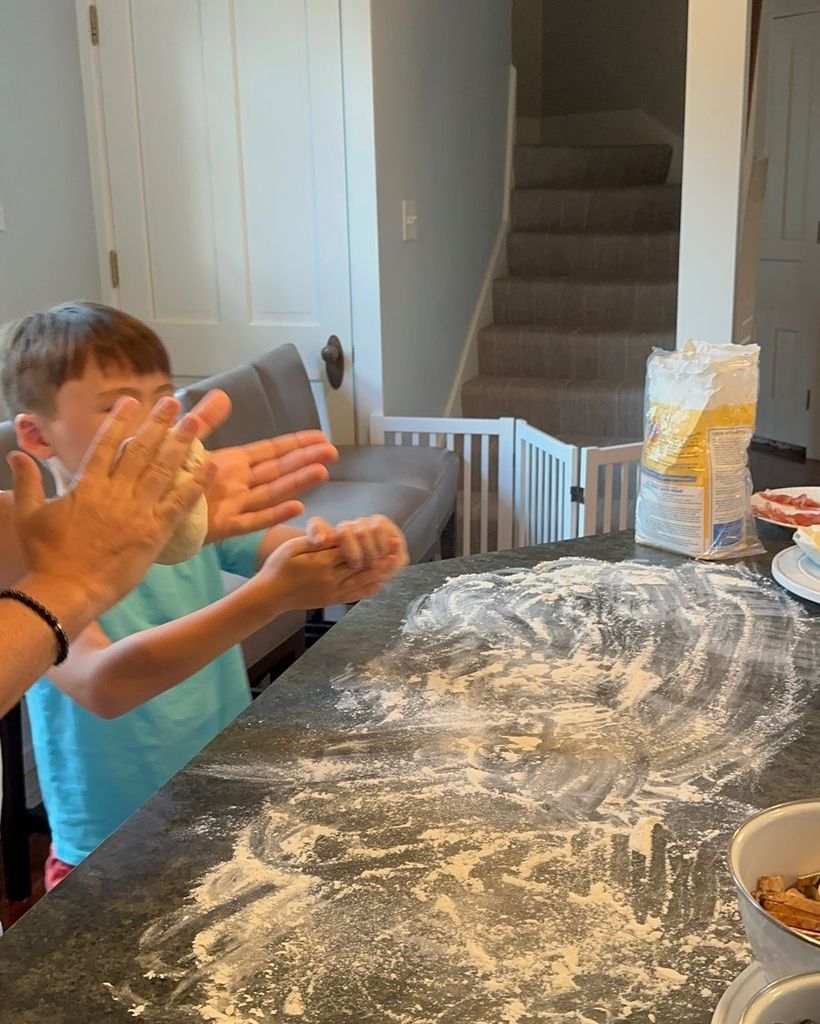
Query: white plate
(797, 573)
(738, 995)
(792, 492)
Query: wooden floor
(770, 468)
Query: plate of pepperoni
(788, 506)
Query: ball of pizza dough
(189, 536)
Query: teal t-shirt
(95, 772)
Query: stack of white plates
(798, 573)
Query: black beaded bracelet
(46, 616)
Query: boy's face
(81, 406)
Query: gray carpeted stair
(561, 407)
(591, 290)
(618, 357)
(589, 305)
(636, 208)
(590, 166)
(647, 257)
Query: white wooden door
(788, 313)
(222, 131)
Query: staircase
(592, 289)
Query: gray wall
(615, 55)
(48, 250)
(440, 78)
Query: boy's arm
(273, 539)
(110, 679)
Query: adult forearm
(29, 646)
(11, 557)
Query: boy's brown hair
(43, 351)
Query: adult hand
(257, 486)
(105, 531)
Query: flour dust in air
(523, 815)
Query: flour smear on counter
(536, 842)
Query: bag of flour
(694, 497)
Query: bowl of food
(807, 538)
(788, 1001)
(774, 858)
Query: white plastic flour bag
(695, 492)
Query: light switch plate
(409, 220)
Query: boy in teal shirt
(159, 675)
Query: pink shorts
(56, 870)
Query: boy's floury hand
(298, 577)
(102, 535)
(374, 542)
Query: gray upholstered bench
(416, 487)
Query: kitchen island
(500, 792)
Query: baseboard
(497, 267)
(482, 315)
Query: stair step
(638, 208)
(648, 257)
(590, 166)
(586, 305)
(563, 408)
(618, 357)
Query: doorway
(788, 297)
(218, 145)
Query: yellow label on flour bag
(701, 403)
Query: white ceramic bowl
(783, 840)
(788, 1001)
(809, 550)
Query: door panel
(225, 143)
(789, 287)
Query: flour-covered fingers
(175, 449)
(102, 456)
(350, 545)
(319, 532)
(142, 449)
(182, 497)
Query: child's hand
(374, 542)
(299, 576)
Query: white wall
(615, 55)
(363, 212)
(48, 250)
(440, 78)
(716, 89)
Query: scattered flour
(544, 848)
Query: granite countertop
(505, 803)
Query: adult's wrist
(74, 605)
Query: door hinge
(576, 494)
(114, 261)
(94, 24)
(808, 400)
